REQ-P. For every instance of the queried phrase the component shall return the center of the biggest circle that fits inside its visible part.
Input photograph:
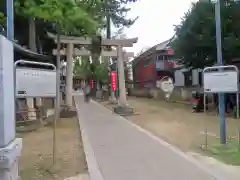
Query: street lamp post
(221, 98)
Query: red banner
(92, 83)
(113, 81)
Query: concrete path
(118, 150)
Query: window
(200, 79)
(162, 57)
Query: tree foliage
(195, 39)
(2, 18)
(80, 17)
(117, 11)
(82, 69)
(86, 70)
(101, 72)
(69, 14)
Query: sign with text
(220, 82)
(220, 79)
(114, 80)
(35, 82)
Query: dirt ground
(36, 157)
(176, 123)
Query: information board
(35, 82)
(220, 81)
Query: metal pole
(206, 120)
(10, 36)
(221, 99)
(237, 106)
(10, 20)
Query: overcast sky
(156, 20)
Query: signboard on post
(113, 81)
(220, 81)
(31, 82)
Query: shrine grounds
(176, 124)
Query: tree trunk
(108, 26)
(109, 48)
(32, 34)
(32, 46)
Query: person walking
(86, 91)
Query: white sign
(225, 81)
(167, 85)
(35, 82)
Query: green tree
(195, 39)
(101, 72)
(115, 12)
(73, 16)
(82, 69)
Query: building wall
(186, 78)
(179, 78)
(145, 73)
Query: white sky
(156, 20)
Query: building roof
(23, 52)
(30, 54)
(161, 46)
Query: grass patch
(228, 153)
(36, 157)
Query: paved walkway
(119, 150)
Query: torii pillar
(123, 106)
(69, 75)
(121, 77)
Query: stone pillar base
(112, 100)
(123, 110)
(68, 112)
(9, 158)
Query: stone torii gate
(70, 52)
